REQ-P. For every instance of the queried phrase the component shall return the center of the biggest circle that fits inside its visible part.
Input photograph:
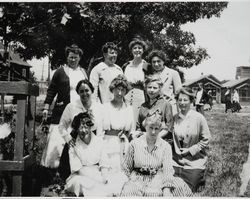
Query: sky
(227, 40)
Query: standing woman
(63, 85)
(191, 138)
(134, 72)
(228, 103)
(156, 103)
(236, 101)
(170, 78)
(117, 123)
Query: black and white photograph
(125, 99)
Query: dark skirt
(195, 178)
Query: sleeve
(99, 129)
(94, 79)
(52, 89)
(128, 161)
(75, 162)
(168, 118)
(131, 121)
(104, 161)
(65, 122)
(176, 82)
(84, 73)
(168, 170)
(139, 120)
(204, 135)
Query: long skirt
(151, 186)
(193, 177)
(115, 152)
(53, 149)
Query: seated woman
(191, 138)
(148, 165)
(85, 103)
(116, 124)
(155, 102)
(88, 160)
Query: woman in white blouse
(134, 72)
(116, 124)
(191, 138)
(88, 160)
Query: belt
(112, 132)
(146, 171)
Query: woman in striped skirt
(148, 165)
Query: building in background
(242, 86)
(242, 72)
(16, 70)
(210, 82)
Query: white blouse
(117, 119)
(134, 73)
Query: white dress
(59, 134)
(55, 143)
(85, 164)
(135, 97)
(116, 119)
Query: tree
(42, 29)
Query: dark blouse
(163, 107)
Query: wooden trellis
(22, 90)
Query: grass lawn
(228, 151)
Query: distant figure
(228, 102)
(201, 99)
(236, 101)
(210, 100)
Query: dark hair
(85, 117)
(120, 80)
(187, 91)
(109, 45)
(73, 48)
(157, 53)
(137, 42)
(84, 81)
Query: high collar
(145, 144)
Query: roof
(209, 77)
(234, 82)
(14, 57)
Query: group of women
(144, 141)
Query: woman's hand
(167, 192)
(72, 143)
(184, 151)
(45, 114)
(45, 111)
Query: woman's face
(153, 130)
(137, 51)
(119, 92)
(84, 92)
(110, 57)
(84, 131)
(184, 102)
(157, 63)
(73, 59)
(153, 90)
